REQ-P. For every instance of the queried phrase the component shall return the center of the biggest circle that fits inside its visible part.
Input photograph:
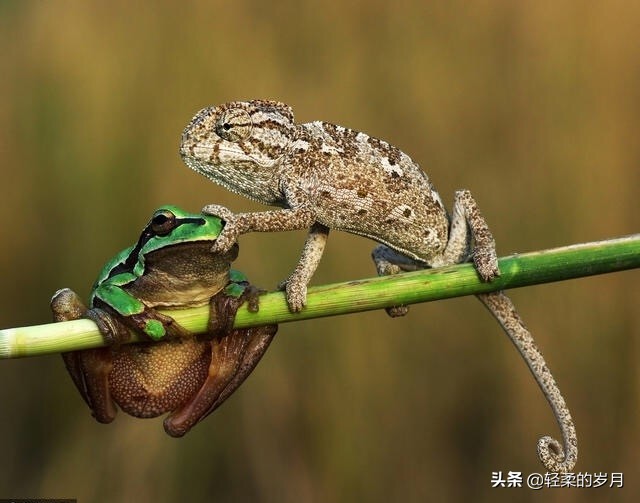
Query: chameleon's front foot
(230, 232)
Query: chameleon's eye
(234, 125)
(163, 222)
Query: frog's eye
(234, 125)
(163, 222)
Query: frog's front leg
(89, 369)
(135, 314)
(156, 325)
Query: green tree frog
(171, 266)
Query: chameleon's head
(238, 144)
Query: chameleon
(325, 176)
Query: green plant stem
(532, 268)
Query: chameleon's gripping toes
(330, 177)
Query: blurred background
(534, 106)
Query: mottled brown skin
(326, 177)
(330, 177)
(184, 375)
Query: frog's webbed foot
(230, 231)
(90, 368)
(252, 296)
(113, 331)
(155, 325)
(233, 357)
(223, 307)
(66, 305)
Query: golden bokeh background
(533, 105)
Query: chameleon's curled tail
(554, 456)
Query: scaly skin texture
(329, 177)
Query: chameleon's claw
(296, 292)
(486, 263)
(224, 243)
(229, 235)
(397, 311)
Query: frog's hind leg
(233, 357)
(90, 368)
(259, 340)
